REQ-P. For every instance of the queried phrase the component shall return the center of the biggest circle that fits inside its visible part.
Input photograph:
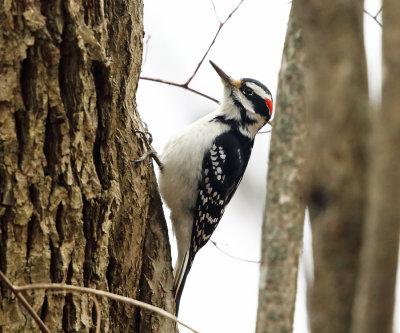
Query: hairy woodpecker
(203, 165)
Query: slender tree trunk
(284, 211)
(73, 207)
(337, 101)
(373, 310)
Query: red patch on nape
(269, 104)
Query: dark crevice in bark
(71, 62)
(94, 318)
(27, 79)
(53, 141)
(90, 247)
(56, 267)
(5, 197)
(101, 77)
(50, 146)
(34, 195)
(49, 10)
(69, 314)
(88, 7)
(33, 226)
(45, 309)
(69, 311)
(96, 152)
(93, 216)
(138, 316)
(110, 270)
(111, 276)
(22, 130)
(71, 66)
(59, 223)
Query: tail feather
(180, 272)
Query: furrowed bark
(284, 210)
(156, 283)
(73, 207)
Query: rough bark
(73, 207)
(373, 311)
(156, 281)
(284, 210)
(337, 102)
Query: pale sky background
(221, 293)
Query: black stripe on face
(259, 103)
(246, 120)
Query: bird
(202, 166)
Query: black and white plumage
(204, 164)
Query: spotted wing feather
(223, 169)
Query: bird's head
(247, 101)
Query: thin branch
(374, 17)
(180, 85)
(221, 24)
(215, 12)
(267, 131)
(70, 288)
(25, 303)
(230, 255)
(379, 11)
(264, 132)
(186, 84)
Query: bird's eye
(247, 91)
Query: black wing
(223, 169)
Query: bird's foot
(148, 139)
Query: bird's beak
(226, 79)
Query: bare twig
(267, 131)
(374, 17)
(264, 132)
(25, 303)
(215, 11)
(180, 85)
(69, 288)
(221, 24)
(127, 300)
(186, 84)
(230, 255)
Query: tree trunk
(337, 101)
(73, 207)
(373, 311)
(284, 211)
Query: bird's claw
(148, 139)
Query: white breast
(182, 159)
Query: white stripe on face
(258, 90)
(244, 101)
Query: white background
(221, 293)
